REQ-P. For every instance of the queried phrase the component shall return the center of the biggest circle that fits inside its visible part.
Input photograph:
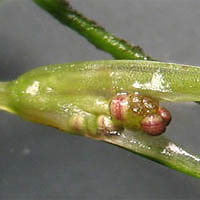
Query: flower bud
(153, 125)
(106, 126)
(77, 123)
(119, 106)
(165, 114)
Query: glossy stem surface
(73, 98)
(163, 81)
(4, 97)
(93, 32)
(159, 149)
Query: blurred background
(38, 162)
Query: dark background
(38, 162)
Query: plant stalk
(94, 33)
(4, 105)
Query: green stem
(97, 35)
(4, 97)
(73, 98)
(159, 149)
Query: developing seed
(119, 106)
(165, 114)
(106, 126)
(153, 125)
(77, 123)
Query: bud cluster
(136, 111)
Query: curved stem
(94, 33)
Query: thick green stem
(97, 35)
(75, 97)
(159, 149)
(4, 97)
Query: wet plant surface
(39, 161)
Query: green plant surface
(160, 149)
(94, 33)
(72, 97)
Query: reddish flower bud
(119, 106)
(77, 123)
(153, 125)
(165, 114)
(106, 126)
